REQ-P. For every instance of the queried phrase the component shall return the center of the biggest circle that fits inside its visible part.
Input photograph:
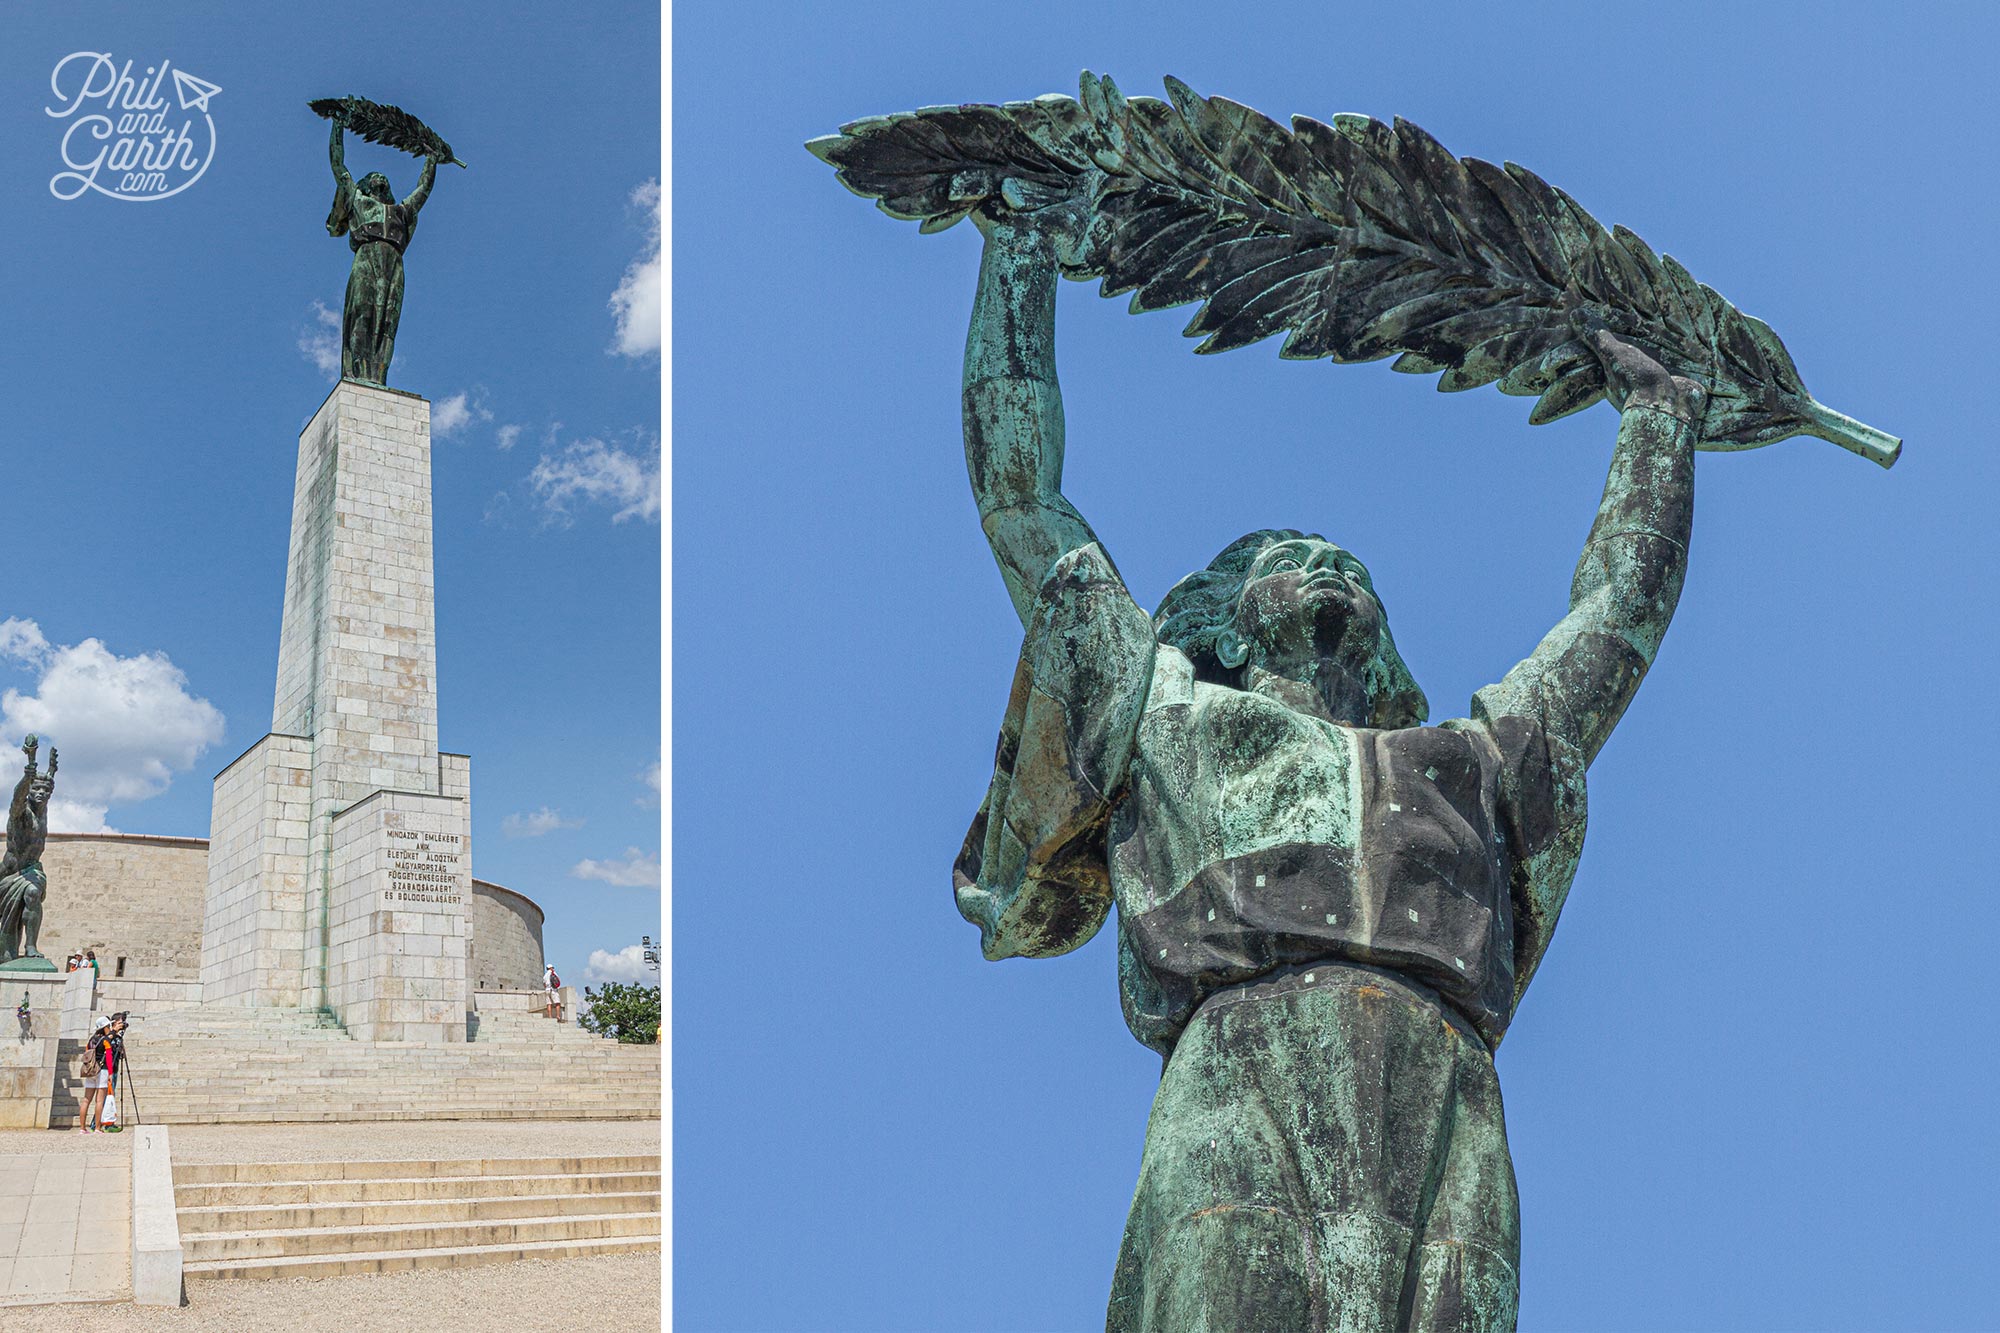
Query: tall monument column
(340, 863)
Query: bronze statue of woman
(23, 883)
(1327, 910)
(378, 229)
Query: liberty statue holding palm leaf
(378, 228)
(1328, 908)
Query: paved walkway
(559, 1296)
(66, 1225)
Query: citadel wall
(141, 896)
(131, 896)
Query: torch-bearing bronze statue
(23, 884)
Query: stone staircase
(213, 1064)
(322, 1219)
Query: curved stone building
(137, 899)
(506, 949)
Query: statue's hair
(1201, 608)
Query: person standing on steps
(551, 992)
(97, 1057)
(114, 1061)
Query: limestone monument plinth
(340, 863)
(29, 1048)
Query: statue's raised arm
(414, 200)
(1580, 678)
(1560, 703)
(337, 155)
(1032, 873)
(1013, 413)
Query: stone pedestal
(28, 1057)
(307, 907)
(402, 894)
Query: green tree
(630, 1013)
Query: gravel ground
(606, 1291)
(613, 1291)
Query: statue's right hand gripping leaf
(1032, 874)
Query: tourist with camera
(102, 1055)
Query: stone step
(279, 1217)
(554, 1080)
(636, 1105)
(409, 1097)
(385, 1189)
(335, 1265)
(259, 1066)
(310, 1092)
(485, 1064)
(226, 1246)
(526, 1070)
(378, 1081)
(223, 1041)
(492, 1055)
(403, 1107)
(223, 1173)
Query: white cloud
(455, 413)
(636, 303)
(509, 435)
(319, 341)
(536, 823)
(628, 964)
(67, 816)
(593, 472)
(650, 775)
(127, 724)
(636, 871)
(22, 640)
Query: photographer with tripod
(102, 1056)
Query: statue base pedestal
(36, 964)
(340, 861)
(30, 1050)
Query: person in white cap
(96, 1078)
(551, 986)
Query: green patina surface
(23, 884)
(1328, 910)
(378, 228)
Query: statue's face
(376, 186)
(39, 790)
(1308, 597)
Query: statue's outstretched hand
(1011, 208)
(1632, 378)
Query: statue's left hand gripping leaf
(1033, 874)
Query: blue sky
(161, 356)
(1752, 1086)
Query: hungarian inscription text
(424, 868)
